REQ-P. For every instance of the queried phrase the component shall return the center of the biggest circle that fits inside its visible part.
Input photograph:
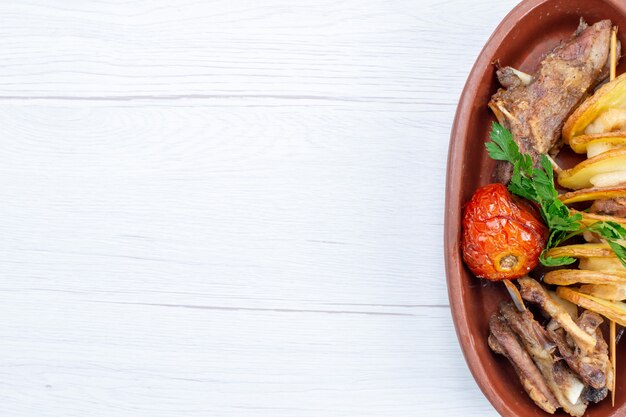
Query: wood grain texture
(230, 208)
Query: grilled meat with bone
(534, 292)
(563, 383)
(595, 369)
(535, 112)
(502, 340)
(570, 353)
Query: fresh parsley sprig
(537, 184)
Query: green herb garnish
(537, 184)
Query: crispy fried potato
(613, 310)
(597, 148)
(590, 218)
(581, 175)
(582, 276)
(612, 292)
(611, 120)
(609, 179)
(610, 95)
(589, 194)
(579, 144)
(601, 264)
(583, 250)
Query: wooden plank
(73, 354)
(129, 221)
(391, 52)
(230, 208)
(286, 209)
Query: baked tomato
(502, 237)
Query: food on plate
(536, 185)
(595, 144)
(587, 173)
(564, 364)
(534, 292)
(611, 120)
(581, 276)
(502, 340)
(570, 308)
(603, 112)
(611, 264)
(598, 127)
(502, 239)
(587, 219)
(584, 250)
(594, 368)
(591, 194)
(534, 111)
(614, 310)
(611, 292)
(615, 207)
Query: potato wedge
(613, 310)
(612, 292)
(610, 95)
(601, 264)
(609, 179)
(611, 120)
(590, 194)
(596, 148)
(584, 250)
(581, 276)
(590, 218)
(581, 175)
(580, 143)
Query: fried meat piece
(594, 368)
(502, 340)
(535, 113)
(610, 207)
(563, 383)
(534, 292)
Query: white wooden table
(230, 208)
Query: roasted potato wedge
(590, 218)
(613, 310)
(579, 144)
(611, 120)
(601, 264)
(609, 179)
(611, 95)
(612, 292)
(596, 148)
(590, 194)
(584, 250)
(582, 175)
(581, 276)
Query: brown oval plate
(533, 28)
